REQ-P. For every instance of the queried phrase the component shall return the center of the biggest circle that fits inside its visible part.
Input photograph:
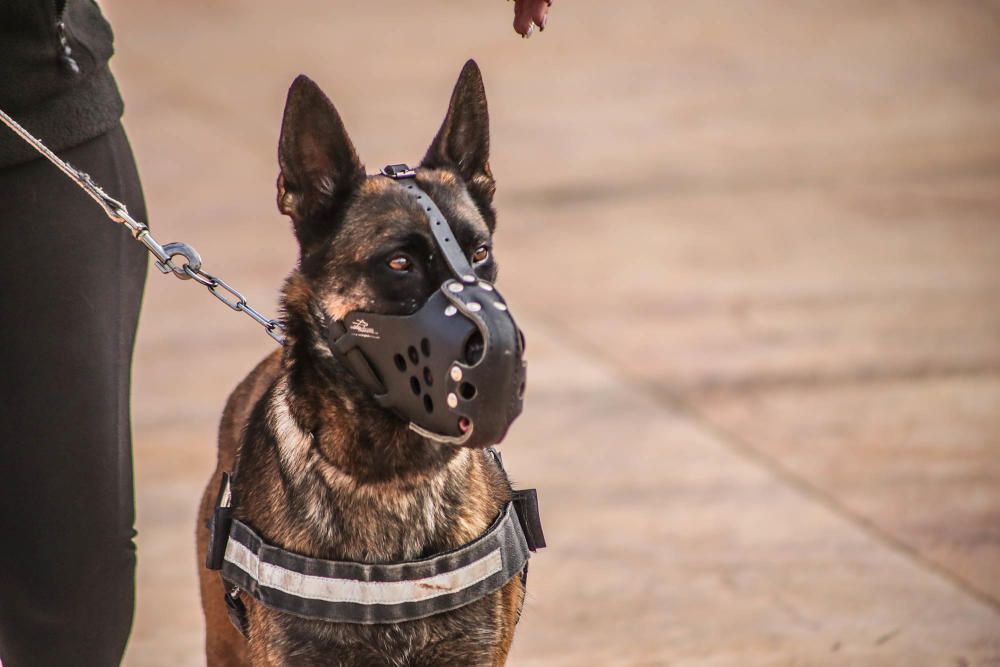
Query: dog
(323, 470)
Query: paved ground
(756, 249)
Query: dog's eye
(400, 263)
(481, 255)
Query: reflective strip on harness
(347, 592)
(362, 592)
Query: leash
(164, 255)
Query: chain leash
(164, 255)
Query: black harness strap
(525, 501)
(218, 527)
(218, 531)
(237, 611)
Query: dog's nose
(474, 349)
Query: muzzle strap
(443, 234)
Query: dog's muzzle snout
(454, 369)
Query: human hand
(530, 13)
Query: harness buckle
(526, 503)
(218, 529)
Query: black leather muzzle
(454, 368)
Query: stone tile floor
(756, 249)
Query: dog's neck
(357, 494)
(351, 431)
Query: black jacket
(54, 76)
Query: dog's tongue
(463, 424)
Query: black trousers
(71, 282)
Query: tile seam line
(757, 458)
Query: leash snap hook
(191, 264)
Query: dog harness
(369, 593)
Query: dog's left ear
(463, 142)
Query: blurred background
(756, 251)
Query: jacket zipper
(66, 58)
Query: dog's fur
(322, 469)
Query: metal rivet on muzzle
(486, 286)
(452, 400)
(474, 307)
(456, 287)
(450, 310)
(500, 305)
(468, 278)
(456, 373)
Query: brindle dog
(324, 471)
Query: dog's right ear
(317, 159)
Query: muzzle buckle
(398, 171)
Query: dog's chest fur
(297, 498)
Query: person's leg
(70, 290)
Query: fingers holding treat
(530, 14)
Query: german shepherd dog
(323, 470)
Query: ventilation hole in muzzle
(467, 390)
(428, 377)
(412, 353)
(415, 385)
(428, 404)
(425, 347)
(400, 362)
(474, 349)
(520, 391)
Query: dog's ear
(463, 142)
(317, 159)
